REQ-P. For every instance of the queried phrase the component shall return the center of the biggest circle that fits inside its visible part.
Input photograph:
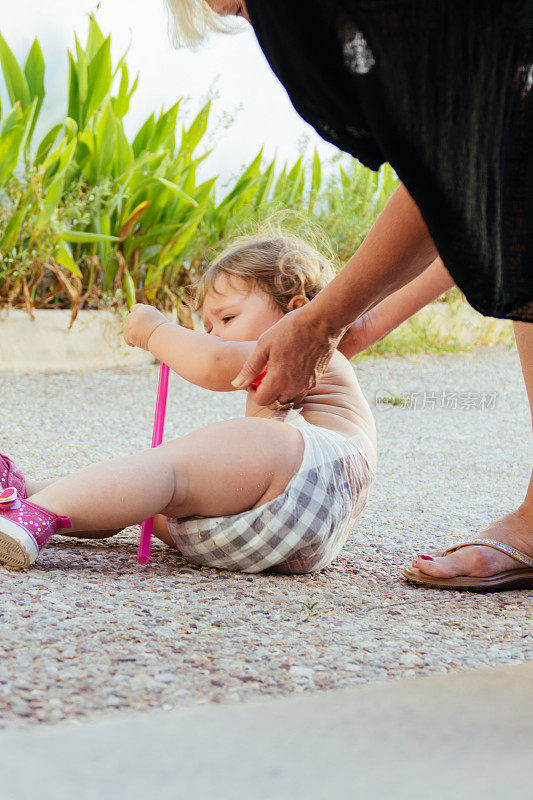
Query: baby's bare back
(336, 403)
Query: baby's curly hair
(282, 266)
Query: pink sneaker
(11, 476)
(25, 529)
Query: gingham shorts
(301, 530)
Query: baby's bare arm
(200, 358)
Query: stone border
(46, 345)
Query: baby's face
(234, 315)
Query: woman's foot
(478, 561)
(11, 476)
(25, 529)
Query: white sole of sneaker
(17, 548)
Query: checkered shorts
(301, 530)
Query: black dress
(443, 91)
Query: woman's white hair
(191, 20)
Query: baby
(276, 489)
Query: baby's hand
(140, 323)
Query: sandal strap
(503, 548)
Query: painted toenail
(427, 558)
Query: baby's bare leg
(160, 522)
(32, 487)
(226, 468)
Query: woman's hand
(295, 351)
(140, 323)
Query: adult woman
(443, 93)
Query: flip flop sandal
(519, 578)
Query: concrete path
(88, 630)
(468, 735)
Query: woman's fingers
(277, 386)
(295, 356)
(253, 366)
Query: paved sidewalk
(468, 735)
(88, 630)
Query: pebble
(87, 631)
(302, 672)
(165, 677)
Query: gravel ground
(89, 631)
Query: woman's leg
(516, 528)
(226, 468)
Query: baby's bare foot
(478, 561)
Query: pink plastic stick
(147, 528)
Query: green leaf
(316, 180)
(295, 172)
(46, 144)
(164, 131)
(123, 153)
(73, 106)
(30, 118)
(16, 83)
(103, 225)
(265, 185)
(34, 73)
(192, 136)
(10, 146)
(177, 245)
(50, 165)
(281, 181)
(95, 38)
(144, 135)
(110, 272)
(178, 191)
(295, 182)
(85, 236)
(128, 224)
(81, 69)
(14, 119)
(153, 279)
(54, 192)
(99, 77)
(253, 170)
(121, 102)
(12, 231)
(52, 197)
(129, 288)
(85, 153)
(71, 128)
(346, 183)
(63, 256)
(105, 141)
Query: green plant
(89, 218)
(310, 609)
